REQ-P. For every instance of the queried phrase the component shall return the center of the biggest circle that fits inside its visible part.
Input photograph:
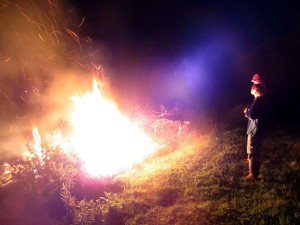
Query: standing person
(256, 115)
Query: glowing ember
(106, 141)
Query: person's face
(253, 91)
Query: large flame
(106, 141)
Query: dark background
(201, 54)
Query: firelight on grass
(106, 141)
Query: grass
(199, 182)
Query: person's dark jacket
(256, 115)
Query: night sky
(206, 50)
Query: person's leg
(255, 167)
(253, 150)
(256, 143)
(250, 157)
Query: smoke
(42, 62)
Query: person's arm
(247, 112)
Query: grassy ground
(201, 183)
(198, 182)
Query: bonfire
(104, 140)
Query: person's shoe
(250, 177)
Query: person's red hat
(257, 79)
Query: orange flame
(106, 141)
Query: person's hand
(245, 112)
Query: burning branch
(37, 144)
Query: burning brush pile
(102, 143)
(102, 139)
